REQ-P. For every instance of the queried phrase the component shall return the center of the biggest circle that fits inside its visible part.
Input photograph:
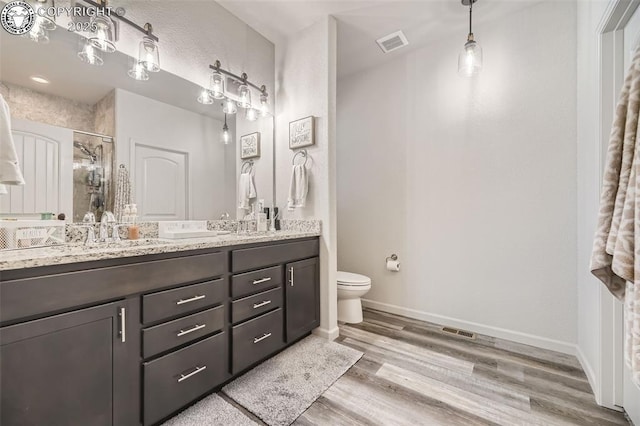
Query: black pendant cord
(470, 15)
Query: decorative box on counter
(19, 234)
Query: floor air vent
(392, 42)
(461, 333)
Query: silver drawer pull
(261, 280)
(261, 304)
(192, 329)
(259, 339)
(193, 373)
(192, 299)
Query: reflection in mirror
(75, 123)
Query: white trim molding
(502, 333)
(327, 334)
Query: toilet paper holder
(392, 257)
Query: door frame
(610, 311)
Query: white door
(46, 158)
(160, 178)
(630, 392)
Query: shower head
(85, 151)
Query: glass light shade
(149, 55)
(216, 85)
(251, 114)
(137, 71)
(226, 135)
(264, 104)
(38, 32)
(205, 97)
(89, 54)
(104, 36)
(46, 21)
(245, 96)
(229, 107)
(470, 59)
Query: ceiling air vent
(392, 42)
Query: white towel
(298, 187)
(10, 173)
(246, 190)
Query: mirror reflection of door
(46, 157)
(160, 183)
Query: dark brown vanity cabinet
(70, 369)
(302, 297)
(132, 341)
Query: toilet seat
(349, 279)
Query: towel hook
(246, 163)
(304, 154)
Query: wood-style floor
(414, 374)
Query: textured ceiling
(360, 23)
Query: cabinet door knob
(191, 299)
(291, 274)
(261, 304)
(193, 373)
(191, 330)
(261, 280)
(259, 339)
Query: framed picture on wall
(250, 145)
(302, 133)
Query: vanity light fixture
(243, 95)
(226, 135)
(205, 97)
(470, 59)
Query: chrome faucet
(107, 219)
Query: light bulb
(245, 96)
(251, 114)
(470, 59)
(226, 135)
(229, 107)
(264, 104)
(216, 85)
(149, 55)
(104, 38)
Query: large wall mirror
(75, 124)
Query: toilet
(351, 287)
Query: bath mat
(211, 411)
(283, 387)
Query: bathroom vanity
(129, 340)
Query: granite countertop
(78, 252)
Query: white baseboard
(515, 336)
(591, 376)
(327, 334)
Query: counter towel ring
(304, 154)
(247, 169)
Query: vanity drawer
(257, 339)
(253, 282)
(257, 304)
(176, 379)
(177, 301)
(178, 332)
(259, 257)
